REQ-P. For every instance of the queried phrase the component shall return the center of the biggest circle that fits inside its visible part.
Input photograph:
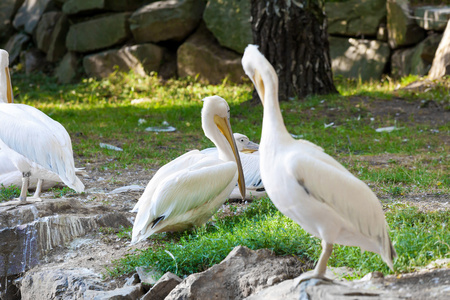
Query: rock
(150, 56)
(230, 22)
(355, 17)
(67, 69)
(166, 20)
(15, 45)
(162, 287)
(101, 65)
(441, 62)
(44, 29)
(8, 8)
(242, 273)
(133, 280)
(34, 61)
(30, 231)
(57, 44)
(55, 283)
(98, 33)
(124, 293)
(352, 58)
(201, 54)
(416, 60)
(402, 27)
(72, 7)
(28, 15)
(432, 17)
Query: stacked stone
(94, 38)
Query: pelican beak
(250, 147)
(224, 126)
(9, 93)
(259, 85)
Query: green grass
(9, 192)
(418, 237)
(415, 159)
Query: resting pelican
(308, 185)
(35, 144)
(248, 152)
(187, 191)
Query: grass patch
(9, 193)
(419, 238)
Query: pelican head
(216, 125)
(260, 71)
(6, 94)
(244, 144)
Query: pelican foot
(311, 275)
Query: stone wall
(75, 38)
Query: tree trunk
(441, 61)
(292, 35)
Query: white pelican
(187, 191)
(308, 185)
(248, 152)
(35, 144)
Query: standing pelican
(35, 144)
(308, 185)
(187, 191)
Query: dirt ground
(100, 249)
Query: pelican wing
(350, 198)
(42, 140)
(201, 187)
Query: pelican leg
(321, 267)
(37, 192)
(24, 189)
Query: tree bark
(441, 61)
(292, 34)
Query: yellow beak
(259, 84)
(9, 93)
(224, 126)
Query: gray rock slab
(242, 273)
(98, 33)
(67, 69)
(402, 27)
(149, 55)
(230, 22)
(201, 54)
(103, 64)
(34, 61)
(415, 60)
(29, 14)
(123, 293)
(354, 58)
(162, 287)
(166, 20)
(57, 44)
(72, 7)
(441, 61)
(432, 17)
(44, 29)
(15, 45)
(55, 283)
(8, 8)
(355, 17)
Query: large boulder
(353, 58)
(72, 7)
(67, 69)
(166, 20)
(202, 55)
(44, 29)
(29, 14)
(242, 273)
(416, 60)
(15, 45)
(8, 8)
(355, 17)
(142, 59)
(57, 44)
(230, 23)
(402, 27)
(432, 17)
(98, 33)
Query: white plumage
(248, 152)
(308, 185)
(35, 144)
(187, 191)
